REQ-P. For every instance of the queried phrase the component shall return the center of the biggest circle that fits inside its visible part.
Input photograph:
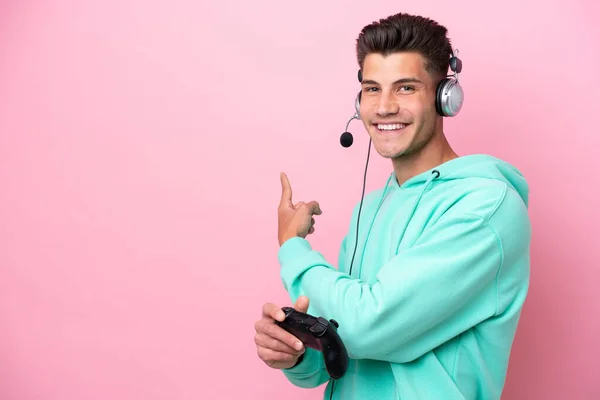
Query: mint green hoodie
(438, 282)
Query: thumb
(301, 304)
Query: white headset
(449, 96)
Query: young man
(428, 304)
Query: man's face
(398, 103)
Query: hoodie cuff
(295, 257)
(308, 363)
(292, 248)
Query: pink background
(140, 147)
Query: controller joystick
(319, 334)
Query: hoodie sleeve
(443, 285)
(311, 372)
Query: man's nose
(387, 105)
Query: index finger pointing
(286, 190)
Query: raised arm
(449, 281)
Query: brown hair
(404, 32)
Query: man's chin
(389, 153)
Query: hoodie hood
(471, 166)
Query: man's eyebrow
(399, 81)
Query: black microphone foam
(346, 139)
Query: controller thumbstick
(334, 322)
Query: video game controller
(318, 334)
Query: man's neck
(436, 152)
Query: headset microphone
(346, 139)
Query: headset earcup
(449, 98)
(438, 97)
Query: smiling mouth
(390, 127)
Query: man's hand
(275, 346)
(295, 219)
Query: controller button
(319, 327)
(334, 323)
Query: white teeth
(390, 127)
